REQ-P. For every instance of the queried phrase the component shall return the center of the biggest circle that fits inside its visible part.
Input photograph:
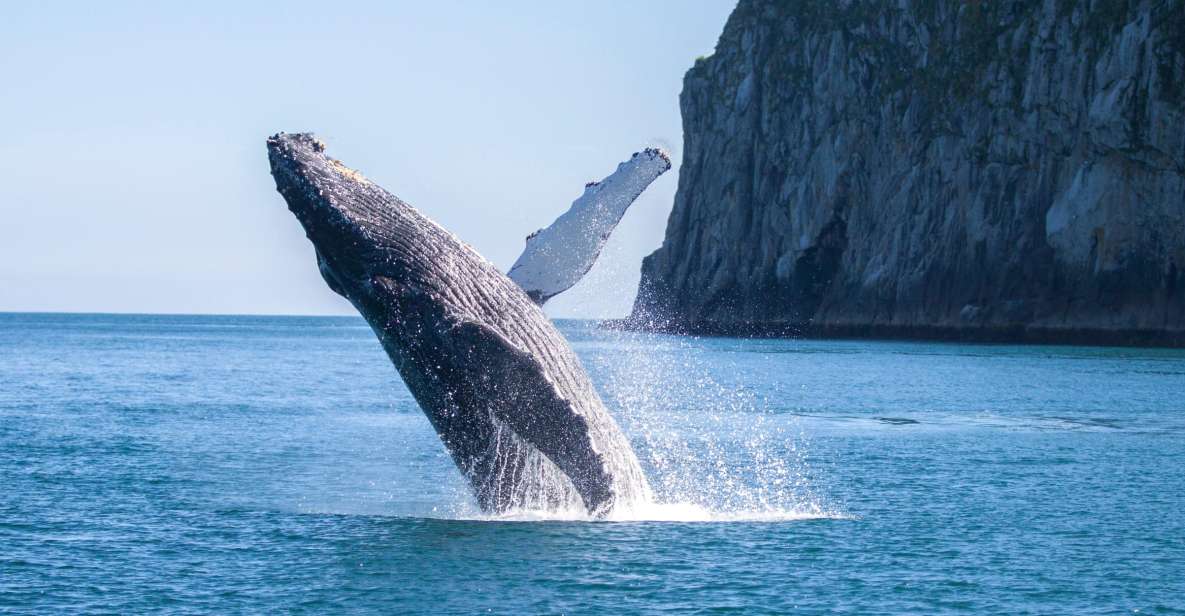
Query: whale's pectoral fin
(558, 256)
(517, 391)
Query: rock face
(965, 169)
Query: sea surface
(209, 464)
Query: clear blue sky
(132, 153)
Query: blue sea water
(277, 464)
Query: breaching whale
(500, 385)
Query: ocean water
(261, 464)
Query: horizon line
(226, 314)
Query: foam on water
(651, 512)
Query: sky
(135, 174)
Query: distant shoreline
(1017, 334)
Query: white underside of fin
(558, 256)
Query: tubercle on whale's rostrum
(499, 384)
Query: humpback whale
(499, 384)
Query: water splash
(650, 512)
(711, 450)
(653, 511)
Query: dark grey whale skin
(498, 382)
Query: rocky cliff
(966, 169)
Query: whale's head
(372, 248)
(413, 281)
(328, 199)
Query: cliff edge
(993, 170)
